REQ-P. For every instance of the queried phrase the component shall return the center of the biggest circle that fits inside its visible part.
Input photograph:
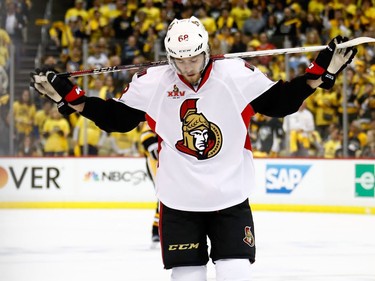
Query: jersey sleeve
(271, 98)
(143, 87)
(249, 80)
(125, 113)
(283, 98)
(111, 115)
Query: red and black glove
(330, 62)
(60, 90)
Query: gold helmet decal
(201, 138)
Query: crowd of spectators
(14, 21)
(130, 32)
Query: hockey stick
(274, 52)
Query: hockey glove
(59, 90)
(330, 62)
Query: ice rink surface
(114, 245)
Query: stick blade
(355, 42)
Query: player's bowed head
(184, 42)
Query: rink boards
(317, 185)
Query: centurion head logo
(249, 237)
(201, 138)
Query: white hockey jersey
(205, 157)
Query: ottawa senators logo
(201, 138)
(249, 237)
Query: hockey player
(200, 110)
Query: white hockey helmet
(186, 38)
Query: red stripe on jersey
(151, 122)
(125, 90)
(185, 82)
(247, 113)
(206, 74)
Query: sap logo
(284, 178)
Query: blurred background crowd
(85, 34)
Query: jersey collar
(204, 77)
